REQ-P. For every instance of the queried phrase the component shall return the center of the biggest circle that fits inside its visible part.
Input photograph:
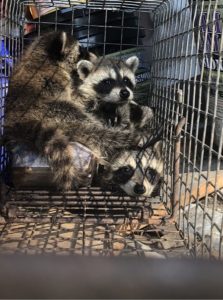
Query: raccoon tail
(55, 146)
(51, 143)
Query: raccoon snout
(139, 189)
(124, 94)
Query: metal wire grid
(176, 73)
(92, 204)
(26, 213)
(141, 5)
(102, 31)
(10, 49)
(87, 222)
(85, 23)
(83, 238)
(93, 28)
(184, 86)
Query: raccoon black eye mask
(123, 174)
(152, 175)
(108, 84)
(105, 86)
(137, 174)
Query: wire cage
(179, 44)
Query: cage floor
(82, 238)
(88, 239)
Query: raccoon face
(137, 173)
(108, 81)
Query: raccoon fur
(108, 84)
(136, 173)
(41, 113)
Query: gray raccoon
(40, 111)
(109, 84)
(137, 173)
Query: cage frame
(182, 167)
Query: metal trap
(179, 44)
(62, 232)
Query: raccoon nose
(124, 93)
(139, 189)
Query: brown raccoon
(42, 114)
(112, 82)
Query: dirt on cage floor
(81, 238)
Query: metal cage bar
(184, 51)
(187, 41)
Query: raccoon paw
(147, 116)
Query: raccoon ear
(133, 63)
(84, 54)
(158, 149)
(84, 67)
(57, 45)
(92, 57)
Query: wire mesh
(187, 62)
(86, 221)
(182, 41)
(8, 52)
(142, 5)
(83, 238)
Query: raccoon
(136, 173)
(108, 84)
(40, 111)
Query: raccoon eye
(123, 174)
(126, 80)
(107, 81)
(152, 175)
(127, 170)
